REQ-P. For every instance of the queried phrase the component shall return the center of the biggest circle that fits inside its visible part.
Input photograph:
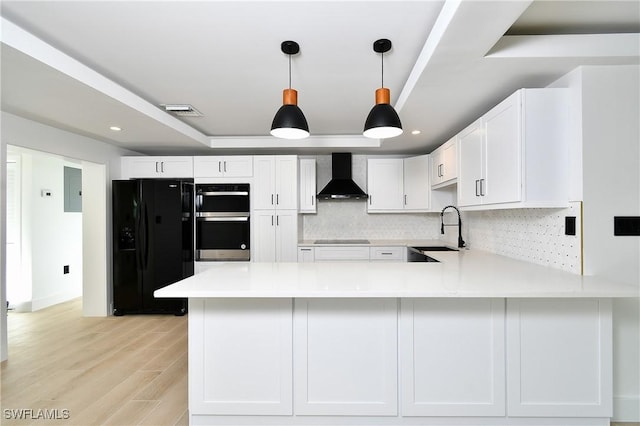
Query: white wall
(96, 288)
(52, 238)
(611, 186)
(21, 132)
(3, 243)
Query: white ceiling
(114, 62)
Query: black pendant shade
(383, 120)
(289, 122)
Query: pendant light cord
(382, 73)
(289, 71)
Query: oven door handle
(218, 193)
(224, 219)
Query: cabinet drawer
(387, 253)
(346, 253)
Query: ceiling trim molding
(455, 17)
(333, 141)
(567, 46)
(25, 42)
(435, 36)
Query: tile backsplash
(534, 235)
(348, 219)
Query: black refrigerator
(152, 243)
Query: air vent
(182, 110)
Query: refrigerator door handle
(145, 242)
(139, 237)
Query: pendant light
(383, 121)
(289, 121)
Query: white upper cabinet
(416, 183)
(470, 150)
(516, 155)
(157, 167)
(308, 185)
(444, 164)
(228, 166)
(275, 182)
(398, 185)
(385, 184)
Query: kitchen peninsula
(477, 339)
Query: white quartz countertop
(467, 273)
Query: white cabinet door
(264, 236)
(223, 166)
(305, 254)
(207, 167)
(385, 184)
(275, 182)
(437, 163)
(241, 362)
(157, 167)
(449, 168)
(238, 166)
(286, 236)
(276, 236)
(345, 357)
(416, 183)
(264, 182)
(308, 185)
(470, 147)
(177, 167)
(501, 182)
(559, 361)
(387, 254)
(341, 253)
(453, 357)
(286, 183)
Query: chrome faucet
(442, 225)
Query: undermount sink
(435, 248)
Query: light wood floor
(129, 370)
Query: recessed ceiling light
(115, 128)
(415, 132)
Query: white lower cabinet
(390, 254)
(242, 357)
(276, 236)
(305, 254)
(410, 361)
(452, 357)
(341, 253)
(345, 357)
(559, 361)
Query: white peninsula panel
(240, 356)
(559, 360)
(452, 357)
(345, 357)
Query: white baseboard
(45, 302)
(626, 408)
(21, 307)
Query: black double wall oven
(222, 222)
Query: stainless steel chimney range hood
(341, 186)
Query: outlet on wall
(65, 269)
